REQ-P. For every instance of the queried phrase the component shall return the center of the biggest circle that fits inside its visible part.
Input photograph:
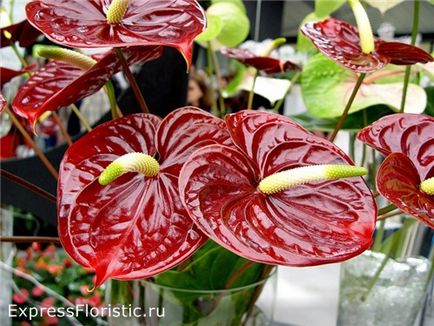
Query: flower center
(284, 180)
(427, 186)
(367, 43)
(69, 56)
(131, 162)
(116, 11)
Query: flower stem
(133, 83)
(29, 239)
(18, 55)
(252, 92)
(80, 117)
(413, 42)
(219, 79)
(62, 128)
(210, 68)
(26, 184)
(29, 139)
(291, 86)
(110, 91)
(238, 273)
(379, 236)
(347, 107)
(431, 271)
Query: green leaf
(383, 5)
(353, 122)
(235, 24)
(326, 87)
(214, 26)
(304, 44)
(324, 8)
(430, 103)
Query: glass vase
(152, 304)
(395, 299)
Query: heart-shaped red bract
(340, 41)
(398, 180)
(399, 177)
(136, 226)
(267, 65)
(59, 84)
(23, 32)
(312, 224)
(83, 23)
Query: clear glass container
(396, 298)
(251, 305)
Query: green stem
(11, 10)
(112, 99)
(219, 78)
(379, 236)
(386, 209)
(351, 141)
(292, 81)
(365, 123)
(413, 42)
(347, 107)
(133, 83)
(252, 92)
(29, 239)
(210, 68)
(18, 55)
(81, 117)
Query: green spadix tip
(287, 179)
(74, 58)
(427, 186)
(131, 162)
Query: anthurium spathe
(129, 226)
(61, 83)
(119, 23)
(237, 197)
(406, 176)
(23, 33)
(340, 42)
(266, 64)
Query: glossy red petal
(23, 32)
(7, 74)
(267, 65)
(185, 130)
(340, 42)
(403, 54)
(60, 84)
(82, 23)
(398, 181)
(410, 134)
(133, 228)
(307, 225)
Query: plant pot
(396, 298)
(165, 305)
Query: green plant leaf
(430, 103)
(324, 8)
(235, 24)
(304, 44)
(327, 86)
(214, 26)
(383, 5)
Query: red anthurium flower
(408, 141)
(59, 84)
(119, 23)
(7, 74)
(23, 32)
(265, 64)
(135, 226)
(340, 42)
(309, 224)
